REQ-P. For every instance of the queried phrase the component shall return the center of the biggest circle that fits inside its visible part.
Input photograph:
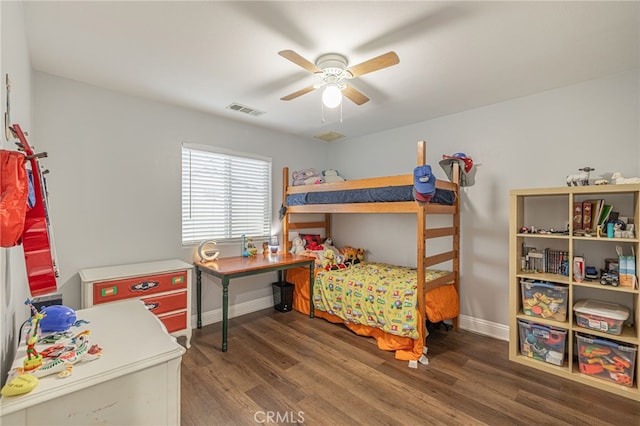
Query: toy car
(608, 278)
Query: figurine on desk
(248, 248)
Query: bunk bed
(435, 288)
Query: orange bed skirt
(404, 347)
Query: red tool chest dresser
(164, 287)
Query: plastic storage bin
(283, 296)
(606, 360)
(601, 316)
(541, 342)
(544, 300)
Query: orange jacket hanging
(14, 190)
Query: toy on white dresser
(618, 179)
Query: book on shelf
(577, 215)
(586, 215)
(596, 211)
(555, 261)
(604, 215)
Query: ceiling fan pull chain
(340, 112)
(322, 106)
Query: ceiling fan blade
(299, 60)
(354, 96)
(298, 93)
(379, 62)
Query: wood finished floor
(296, 369)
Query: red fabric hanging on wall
(14, 190)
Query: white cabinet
(554, 208)
(136, 381)
(164, 286)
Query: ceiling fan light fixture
(331, 96)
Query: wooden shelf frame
(630, 335)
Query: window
(225, 194)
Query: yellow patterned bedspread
(374, 294)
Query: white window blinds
(224, 195)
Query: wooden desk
(234, 267)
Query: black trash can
(283, 296)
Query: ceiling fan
(333, 74)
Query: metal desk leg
(225, 311)
(311, 278)
(199, 295)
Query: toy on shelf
(618, 179)
(580, 179)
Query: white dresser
(136, 381)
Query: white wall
(114, 186)
(534, 141)
(13, 281)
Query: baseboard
(212, 317)
(487, 328)
(476, 325)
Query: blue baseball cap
(423, 180)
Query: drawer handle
(151, 306)
(145, 285)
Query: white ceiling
(454, 56)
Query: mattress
(369, 195)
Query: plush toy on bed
(328, 259)
(332, 261)
(331, 175)
(328, 245)
(313, 245)
(352, 255)
(307, 177)
(298, 246)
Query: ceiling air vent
(245, 109)
(329, 136)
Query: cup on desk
(274, 244)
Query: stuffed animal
(328, 245)
(328, 259)
(619, 179)
(331, 175)
(313, 246)
(307, 177)
(298, 246)
(352, 255)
